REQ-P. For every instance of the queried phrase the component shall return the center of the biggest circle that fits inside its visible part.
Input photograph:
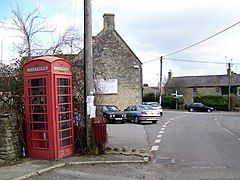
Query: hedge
(170, 102)
(216, 101)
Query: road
(186, 146)
(197, 145)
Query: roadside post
(176, 96)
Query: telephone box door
(64, 115)
(38, 116)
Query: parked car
(155, 105)
(198, 107)
(140, 113)
(112, 114)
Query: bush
(170, 102)
(216, 101)
(150, 97)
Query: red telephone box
(48, 107)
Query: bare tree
(27, 27)
(69, 41)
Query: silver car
(140, 113)
(156, 106)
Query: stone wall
(10, 148)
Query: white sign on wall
(106, 86)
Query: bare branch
(28, 27)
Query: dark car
(198, 107)
(112, 114)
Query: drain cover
(165, 161)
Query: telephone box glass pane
(63, 116)
(38, 100)
(63, 82)
(39, 117)
(64, 125)
(64, 90)
(38, 109)
(38, 82)
(39, 126)
(65, 142)
(64, 107)
(65, 134)
(64, 99)
(38, 91)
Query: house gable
(113, 59)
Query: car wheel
(209, 110)
(122, 122)
(154, 122)
(136, 120)
(161, 114)
(191, 109)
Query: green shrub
(216, 101)
(170, 102)
(150, 97)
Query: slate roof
(203, 81)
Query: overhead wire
(188, 47)
(194, 61)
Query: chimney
(169, 75)
(108, 21)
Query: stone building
(189, 86)
(117, 70)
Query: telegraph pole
(229, 86)
(160, 82)
(88, 69)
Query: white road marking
(159, 136)
(225, 128)
(178, 117)
(154, 148)
(164, 126)
(162, 129)
(160, 132)
(157, 141)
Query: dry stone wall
(10, 148)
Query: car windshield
(145, 107)
(154, 104)
(198, 104)
(110, 108)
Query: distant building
(189, 86)
(152, 90)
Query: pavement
(127, 143)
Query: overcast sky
(152, 28)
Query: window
(195, 90)
(218, 89)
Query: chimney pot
(170, 75)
